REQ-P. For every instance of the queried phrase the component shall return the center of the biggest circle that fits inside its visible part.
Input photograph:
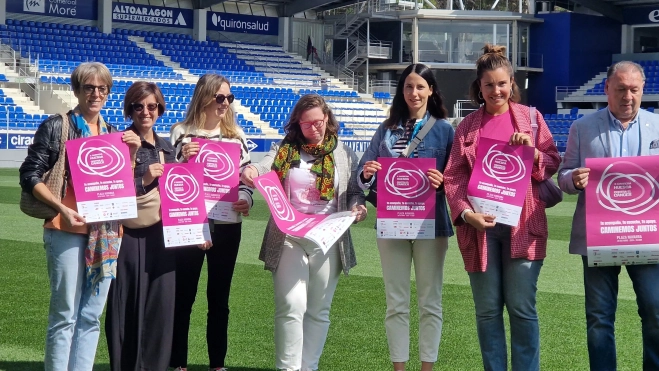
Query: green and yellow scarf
(289, 156)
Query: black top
(149, 154)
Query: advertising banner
(152, 15)
(242, 23)
(76, 9)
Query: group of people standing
(153, 289)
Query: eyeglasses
(139, 107)
(89, 89)
(317, 124)
(219, 98)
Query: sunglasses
(139, 107)
(89, 89)
(219, 98)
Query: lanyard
(418, 126)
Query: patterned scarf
(104, 242)
(289, 156)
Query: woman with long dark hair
(417, 103)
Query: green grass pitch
(357, 337)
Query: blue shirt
(624, 142)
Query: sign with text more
(77, 9)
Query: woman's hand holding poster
(500, 179)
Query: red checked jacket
(529, 238)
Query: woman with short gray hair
(81, 256)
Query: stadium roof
(614, 8)
(287, 8)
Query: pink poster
(500, 179)
(221, 161)
(322, 229)
(102, 177)
(406, 200)
(622, 196)
(184, 217)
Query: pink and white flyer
(184, 219)
(102, 177)
(322, 229)
(406, 200)
(221, 161)
(500, 179)
(621, 211)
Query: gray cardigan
(349, 194)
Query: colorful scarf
(104, 242)
(289, 156)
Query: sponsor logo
(217, 163)
(181, 186)
(17, 141)
(145, 14)
(35, 6)
(98, 157)
(238, 25)
(251, 145)
(654, 16)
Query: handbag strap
(58, 170)
(534, 124)
(419, 137)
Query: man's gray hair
(625, 66)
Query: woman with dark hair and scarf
(417, 101)
(318, 173)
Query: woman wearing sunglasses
(318, 173)
(140, 315)
(209, 116)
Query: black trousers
(221, 263)
(139, 322)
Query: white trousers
(304, 285)
(396, 257)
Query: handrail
(563, 92)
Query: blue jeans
(74, 315)
(601, 288)
(512, 282)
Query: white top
(305, 197)
(179, 137)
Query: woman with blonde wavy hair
(209, 116)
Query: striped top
(179, 137)
(404, 140)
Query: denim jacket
(149, 154)
(437, 143)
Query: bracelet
(464, 213)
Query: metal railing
(369, 6)
(563, 92)
(383, 86)
(462, 108)
(530, 60)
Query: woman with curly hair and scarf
(318, 173)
